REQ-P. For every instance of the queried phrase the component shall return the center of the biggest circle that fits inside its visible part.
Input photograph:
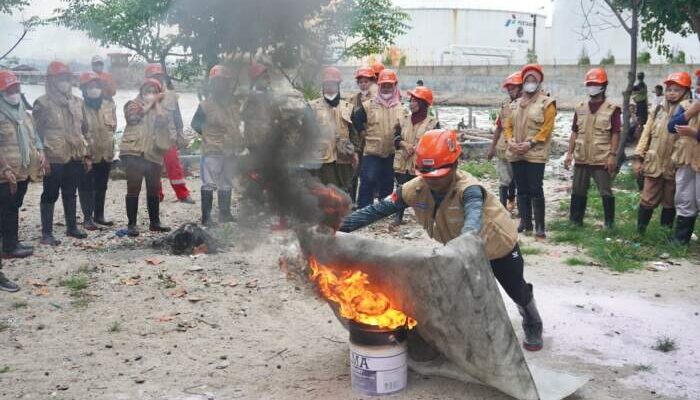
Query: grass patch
(530, 251)
(76, 283)
(479, 169)
(665, 345)
(115, 327)
(620, 248)
(19, 304)
(575, 261)
(5, 369)
(643, 368)
(4, 326)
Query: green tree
(676, 58)
(608, 59)
(677, 16)
(138, 25)
(10, 6)
(583, 58)
(644, 58)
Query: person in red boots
(171, 159)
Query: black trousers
(528, 178)
(64, 179)
(9, 214)
(508, 271)
(137, 169)
(402, 179)
(97, 179)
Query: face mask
(94, 93)
(531, 87)
(329, 97)
(594, 90)
(64, 87)
(12, 99)
(364, 92)
(387, 96)
(149, 97)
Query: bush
(583, 58)
(644, 58)
(609, 59)
(479, 169)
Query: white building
(488, 32)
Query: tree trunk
(631, 76)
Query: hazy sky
(58, 43)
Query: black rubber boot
(7, 285)
(47, 237)
(503, 195)
(132, 210)
(525, 209)
(667, 217)
(207, 202)
(609, 211)
(684, 230)
(224, 197)
(153, 203)
(577, 210)
(100, 209)
(70, 209)
(10, 244)
(539, 210)
(87, 205)
(532, 326)
(643, 218)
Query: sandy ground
(230, 325)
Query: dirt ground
(231, 326)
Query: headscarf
(17, 114)
(393, 100)
(421, 114)
(75, 112)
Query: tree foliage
(10, 6)
(677, 16)
(137, 25)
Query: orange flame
(356, 302)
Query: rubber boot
(132, 210)
(10, 244)
(577, 209)
(503, 195)
(47, 237)
(207, 202)
(7, 285)
(87, 204)
(684, 230)
(539, 210)
(224, 197)
(525, 209)
(609, 211)
(532, 326)
(643, 218)
(70, 209)
(100, 209)
(153, 203)
(667, 217)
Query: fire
(351, 292)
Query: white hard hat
(98, 59)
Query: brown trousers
(658, 191)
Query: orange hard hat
(365, 72)
(697, 72)
(596, 75)
(436, 152)
(57, 68)
(332, 74)
(387, 76)
(86, 77)
(7, 80)
(153, 70)
(152, 82)
(423, 93)
(377, 67)
(256, 70)
(514, 79)
(532, 68)
(680, 79)
(220, 71)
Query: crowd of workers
(388, 158)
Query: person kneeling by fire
(450, 203)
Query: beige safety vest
(403, 163)
(498, 231)
(527, 122)
(221, 133)
(101, 125)
(146, 138)
(61, 144)
(258, 115)
(594, 135)
(381, 121)
(686, 150)
(9, 149)
(334, 126)
(655, 146)
(503, 115)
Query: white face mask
(64, 87)
(364, 92)
(94, 93)
(531, 87)
(330, 97)
(149, 97)
(387, 96)
(12, 99)
(594, 90)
